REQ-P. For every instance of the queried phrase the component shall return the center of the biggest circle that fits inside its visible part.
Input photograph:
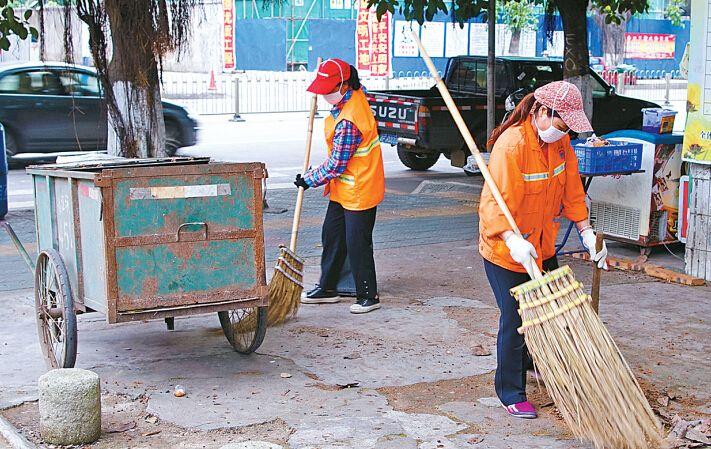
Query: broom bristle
(285, 290)
(285, 287)
(582, 367)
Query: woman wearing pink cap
(536, 170)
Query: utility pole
(490, 68)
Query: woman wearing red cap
(355, 182)
(536, 170)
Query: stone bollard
(70, 407)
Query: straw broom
(286, 285)
(581, 366)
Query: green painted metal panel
(185, 267)
(93, 250)
(43, 213)
(64, 229)
(148, 206)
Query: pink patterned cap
(565, 99)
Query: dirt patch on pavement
(125, 423)
(429, 397)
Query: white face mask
(553, 134)
(334, 97)
(550, 135)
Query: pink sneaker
(524, 410)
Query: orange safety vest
(362, 185)
(539, 185)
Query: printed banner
(649, 46)
(478, 39)
(372, 42)
(432, 37)
(404, 45)
(697, 134)
(228, 7)
(457, 40)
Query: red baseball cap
(329, 75)
(565, 99)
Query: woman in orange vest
(536, 170)
(354, 179)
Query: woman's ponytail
(519, 115)
(354, 80)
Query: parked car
(418, 122)
(55, 107)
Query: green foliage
(615, 10)
(519, 15)
(11, 24)
(463, 10)
(674, 11)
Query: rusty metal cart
(148, 239)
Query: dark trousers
(348, 233)
(512, 358)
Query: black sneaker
(318, 295)
(365, 305)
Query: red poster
(228, 6)
(372, 41)
(649, 46)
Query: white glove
(521, 250)
(589, 241)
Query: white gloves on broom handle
(521, 250)
(589, 240)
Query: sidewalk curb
(16, 440)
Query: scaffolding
(297, 14)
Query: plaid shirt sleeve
(346, 140)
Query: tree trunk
(144, 129)
(576, 56)
(613, 37)
(138, 129)
(515, 45)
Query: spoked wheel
(54, 310)
(244, 328)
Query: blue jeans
(512, 358)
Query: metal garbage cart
(148, 239)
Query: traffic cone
(212, 81)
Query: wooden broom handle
(307, 158)
(597, 274)
(535, 273)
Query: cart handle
(194, 223)
(18, 244)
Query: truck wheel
(416, 161)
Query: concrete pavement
(416, 374)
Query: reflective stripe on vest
(346, 179)
(559, 169)
(531, 177)
(366, 149)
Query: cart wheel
(54, 308)
(244, 328)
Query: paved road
(276, 139)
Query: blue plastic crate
(618, 157)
